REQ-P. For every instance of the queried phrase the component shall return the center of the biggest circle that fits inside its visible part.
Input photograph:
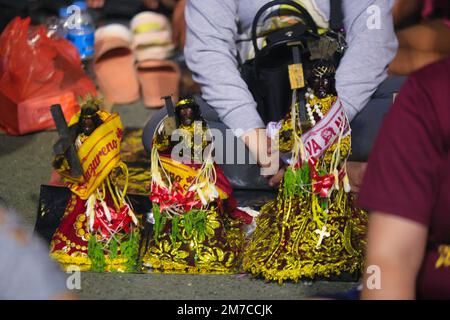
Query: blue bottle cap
(63, 12)
(81, 4)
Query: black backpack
(267, 74)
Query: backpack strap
(336, 15)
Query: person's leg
(365, 128)
(243, 173)
(241, 176)
(150, 128)
(367, 123)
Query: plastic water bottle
(53, 27)
(80, 29)
(62, 30)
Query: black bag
(267, 74)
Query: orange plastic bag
(35, 72)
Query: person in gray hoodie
(218, 36)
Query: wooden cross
(322, 233)
(65, 145)
(172, 122)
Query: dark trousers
(365, 128)
(367, 123)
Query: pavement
(25, 164)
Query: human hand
(260, 147)
(179, 25)
(95, 3)
(58, 162)
(356, 171)
(275, 180)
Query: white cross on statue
(322, 233)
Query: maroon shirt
(409, 170)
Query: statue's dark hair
(89, 113)
(190, 103)
(324, 67)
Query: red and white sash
(326, 131)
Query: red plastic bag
(35, 72)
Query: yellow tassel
(101, 198)
(211, 192)
(202, 197)
(155, 169)
(113, 194)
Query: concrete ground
(25, 164)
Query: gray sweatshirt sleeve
(211, 56)
(372, 45)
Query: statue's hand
(61, 164)
(58, 162)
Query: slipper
(149, 21)
(153, 46)
(152, 36)
(158, 78)
(114, 64)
